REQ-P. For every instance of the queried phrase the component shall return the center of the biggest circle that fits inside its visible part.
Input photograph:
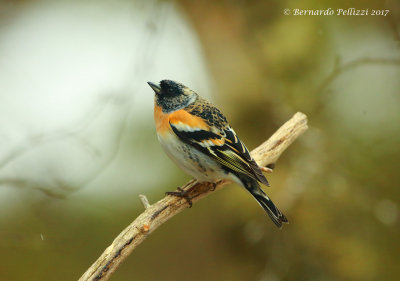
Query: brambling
(199, 139)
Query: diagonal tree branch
(157, 214)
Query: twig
(339, 68)
(146, 48)
(160, 212)
(144, 200)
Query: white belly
(192, 161)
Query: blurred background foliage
(338, 184)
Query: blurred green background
(338, 184)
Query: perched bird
(198, 138)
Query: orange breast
(161, 119)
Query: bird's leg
(267, 170)
(213, 186)
(183, 194)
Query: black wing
(225, 148)
(235, 143)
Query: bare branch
(339, 68)
(144, 201)
(160, 212)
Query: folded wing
(223, 146)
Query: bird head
(171, 95)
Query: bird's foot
(183, 194)
(266, 169)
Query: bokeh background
(77, 140)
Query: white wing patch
(234, 134)
(185, 128)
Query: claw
(213, 186)
(183, 194)
(266, 169)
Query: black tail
(273, 212)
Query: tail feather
(273, 212)
(269, 207)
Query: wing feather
(237, 145)
(224, 147)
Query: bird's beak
(156, 87)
